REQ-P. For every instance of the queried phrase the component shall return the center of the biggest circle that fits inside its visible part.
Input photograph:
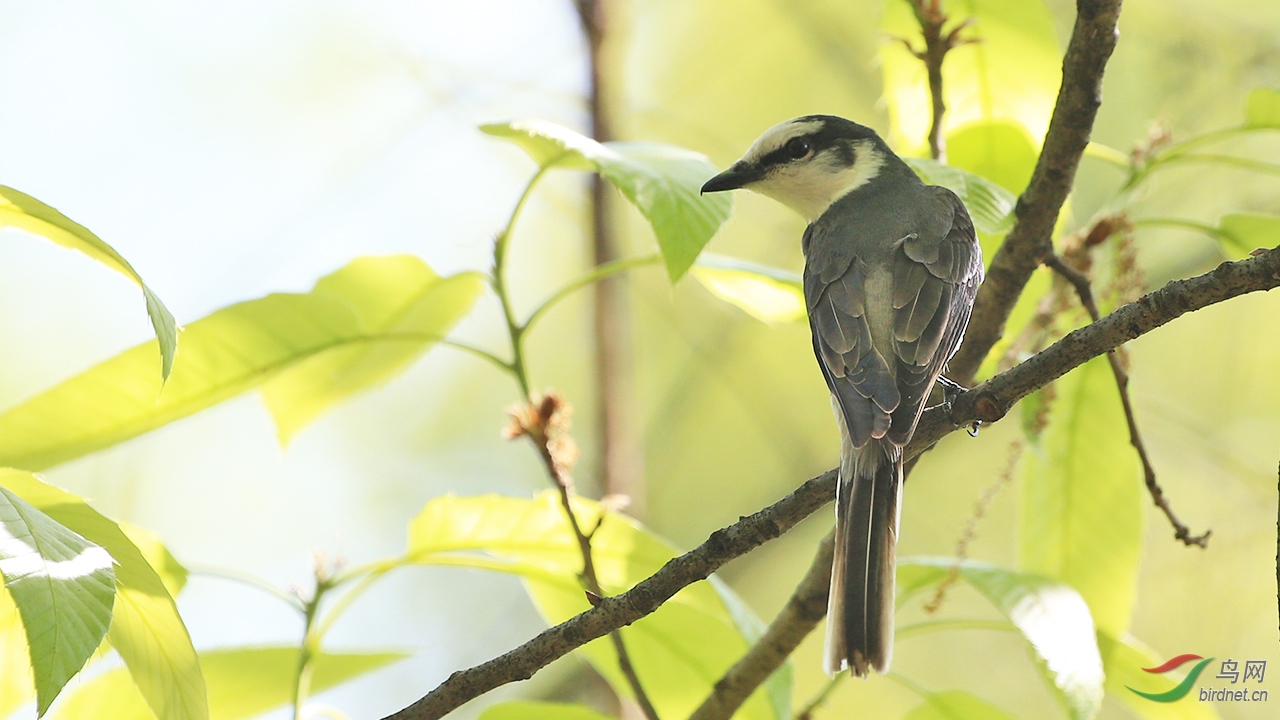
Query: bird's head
(806, 163)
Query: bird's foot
(950, 391)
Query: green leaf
(662, 181)
(678, 652)
(1242, 233)
(243, 683)
(1001, 151)
(1052, 617)
(1011, 73)
(21, 211)
(766, 293)
(224, 354)
(146, 629)
(1262, 108)
(63, 585)
(1081, 501)
(956, 705)
(990, 205)
(391, 296)
(16, 688)
(1124, 660)
(171, 572)
(530, 710)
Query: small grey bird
(891, 269)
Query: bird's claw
(973, 428)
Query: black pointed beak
(740, 175)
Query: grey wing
(934, 283)
(857, 375)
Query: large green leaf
(956, 705)
(19, 210)
(396, 297)
(145, 627)
(530, 710)
(678, 652)
(662, 181)
(16, 687)
(1011, 73)
(990, 205)
(999, 150)
(770, 294)
(1242, 233)
(1052, 617)
(1124, 660)
(1262, 109)
(224, 354)
(1081, 501)
(243, 683)
(63, 585)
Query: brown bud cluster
(545, 420)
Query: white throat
(811, 187)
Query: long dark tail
(860, 609)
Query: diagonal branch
(1085, 291)
(1092, 40)
(987, 402)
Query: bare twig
(1092, 40)
(1084, 289)
(937, 43)
(801, 614)
(806, 713)
(545, 421)
(988, 402)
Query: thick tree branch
(988, 402)
(807, 606)
(1092, 40)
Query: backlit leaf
(146, 629)
(397, 296)
(1081, 500)
(990, 205)
(1262, 108)
(530, 710)
(243, 683)
(1052, 617)
(62, 584)
(766, 293)
(678, 651)
(662, 181)
(1124, 660)
(956, 705)
(1243, 233)
(19, 210)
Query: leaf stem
(307, 651)
(932, 626)
(820, 699)
(599, 273)
(249, 581)
(499, 282)
(1210, 230)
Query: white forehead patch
(778, 135)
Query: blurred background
(238, 148)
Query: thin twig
(937, 43)
(1085, 291)
(545, 423)
(988, 402)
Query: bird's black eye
(797, 148)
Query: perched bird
(891, 269)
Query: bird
(891, 269)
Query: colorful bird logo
(1183, 687)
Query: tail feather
(860, 608)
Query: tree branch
(1083, 288)
(987, 402)
(807, 606)
(1092, 40)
